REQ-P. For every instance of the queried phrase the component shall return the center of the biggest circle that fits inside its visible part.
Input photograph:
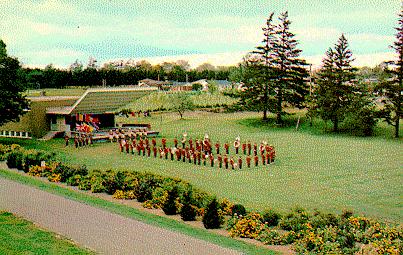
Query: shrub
(360, 119)
(85, 183)
(226, 207)
(211, 217)
(188, 211)
(74, 180)
(321, 220)
(54, 177)
(35, 157)
(238, 209)
(67, 171)
(249, 226)
(97, 185)
(270, 236)
(35, 171)
(120, 194)
(147, 183)
(271, 217)
(169, 207)
(144, 192)
(197, 86)
(5, 149)
(159, 197)
(296, 220)
(200, 199)
(14, 159)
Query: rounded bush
(271, 217)
(238, 209)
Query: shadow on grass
(318, 127)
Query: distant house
(153, 83)
(61, 114)
(223, 84)
(180, 86)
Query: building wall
(35, 121)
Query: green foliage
(391, 90)
(271, 217)
(147, 183)
(238, 209)
(181, 102)
(211, 217)
(360, 119)
(275, 74)
(295, 220)
(188, 211)
(74, 180)
(169, 206)
(13, 103)
(337, 96)
(14, 158)
(4, 149)
(212, 87)
(197, 87)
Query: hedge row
(315, 232)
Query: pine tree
(211, 218)
(335, 89)
(392, 90)
(188, 212)
(290, 85)
(274, 74)
(169, 206)
(264, 67)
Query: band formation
(198, 151)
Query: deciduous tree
(12, 103)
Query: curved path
(99, 230)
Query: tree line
(114, 74)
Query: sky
(60, 32)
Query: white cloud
(314, 34)
(61, 58)
(217, 59)
(361, 60)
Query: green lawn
(56, 92)
(18, 236)
(313, 169)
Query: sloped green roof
(109, 100)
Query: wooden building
(52, 115)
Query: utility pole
(310, 95)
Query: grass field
(314, 170)
(18, 236)
(56, 92)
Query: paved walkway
(99, 230)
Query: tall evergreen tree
(392, 89)
(274, 73)
(335, 89)
(264, 66)
(12, 103)
(290, 86)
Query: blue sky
(59, 32)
